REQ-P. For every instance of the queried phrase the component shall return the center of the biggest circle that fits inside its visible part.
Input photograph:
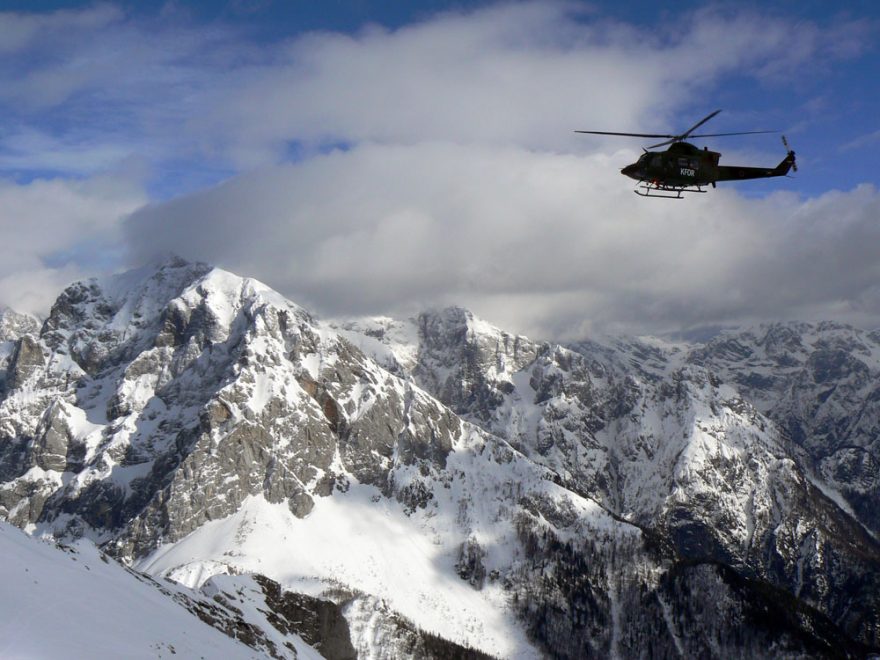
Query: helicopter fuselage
(682, 164)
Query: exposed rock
(27, 359)
(470, 565)
(55, 445)
(320, 623)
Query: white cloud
(522, 74)
(537, 241)
(55, 231)
(19, 30)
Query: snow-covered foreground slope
(433, 478)
(75, 603)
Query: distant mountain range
(437, 487)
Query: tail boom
(736, 173)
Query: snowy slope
(349, 543)
(75, 603)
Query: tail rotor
(790, 153)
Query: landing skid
(650, 189)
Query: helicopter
(684, 168)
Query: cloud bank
(547, 244)
(389, 170)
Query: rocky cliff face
(602, 499)
(819, 383)
(14, 326)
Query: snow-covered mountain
(75, 602)
(443, 488)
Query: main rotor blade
(681, 138)
(651, 135)
(697, 125)
(702, 135)
(678, 138)
(672, 138)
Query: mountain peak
(459, 321)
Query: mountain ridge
(548, 490)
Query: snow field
(74, 604)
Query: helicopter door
(688, 166)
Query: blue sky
(120, 117)
(828, 106)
